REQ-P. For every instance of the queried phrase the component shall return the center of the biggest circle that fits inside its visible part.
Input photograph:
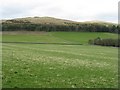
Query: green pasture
(55, 37)
(58, 66)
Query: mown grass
(55, 66)
(58, 66)
(82, 37)
(55, 37)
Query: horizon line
(96, 20)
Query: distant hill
(55, 24)
(51, 20)
(40, 20)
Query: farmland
(54, 37)
(56, 66)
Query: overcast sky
(77, 10)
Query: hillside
(52, 20)
(55, 24)
(40, 20)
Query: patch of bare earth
(24, 32)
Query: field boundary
(42, 43)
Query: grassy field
(56, 66)
(54, 37)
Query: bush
(105, 42)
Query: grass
(59, 66)
(55, 37)
(82, 37)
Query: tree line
(105, 42)
(82, 27)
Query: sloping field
(82, 37)
(54, 37)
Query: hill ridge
(52, 20)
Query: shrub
(105, 42)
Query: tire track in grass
(79, 54)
